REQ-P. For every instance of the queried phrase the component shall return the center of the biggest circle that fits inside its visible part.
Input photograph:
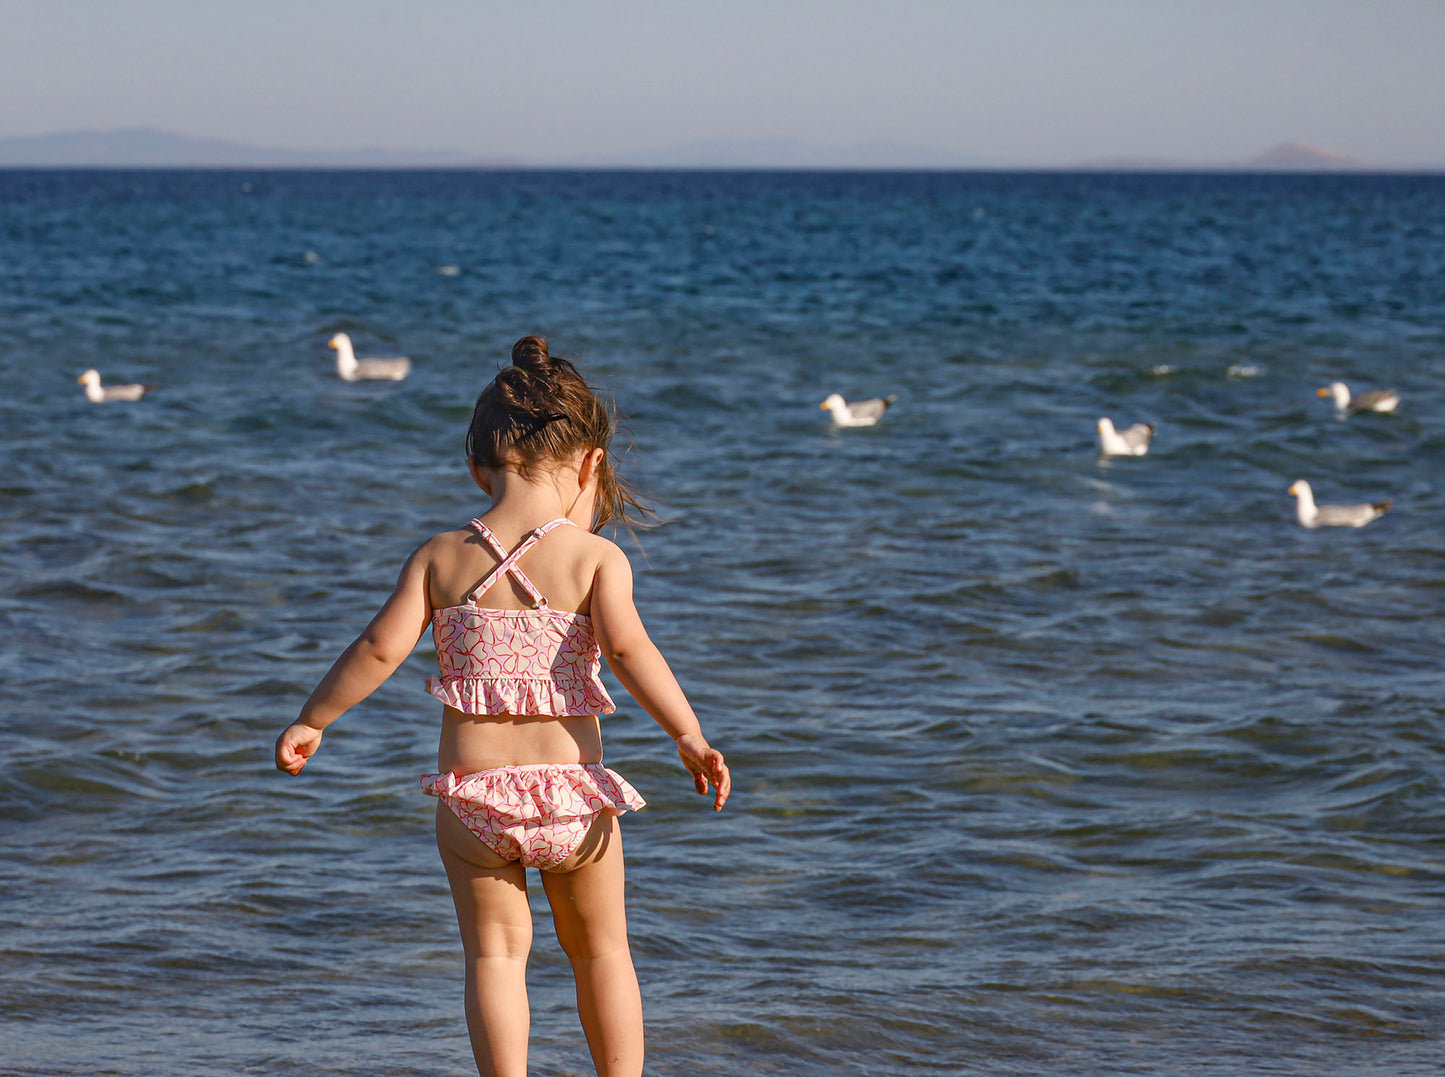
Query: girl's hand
(705, 765)
(296, 744)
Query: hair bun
(539, 412)
(530, 354)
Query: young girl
(522, 604)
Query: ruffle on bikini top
(538, 661)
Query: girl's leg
(591, 920)
(490, 894)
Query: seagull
(1374, 400)
(1312, 515)
(858, 412)
(350, 368)
(110, 394)
(1133, 441)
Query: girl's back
(562, 567)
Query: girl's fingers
(292, 752)
(724, 790)
(709, 769)
(722, 780)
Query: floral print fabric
(536, 814)
(517, 662)
(538, 661)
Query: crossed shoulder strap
(509, 560)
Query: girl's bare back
(563, 567)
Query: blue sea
(1045, 764)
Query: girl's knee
(501, 965)
(497, 942)
(590, 948)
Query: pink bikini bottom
(536, 814)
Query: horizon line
(1181, 169)
(146, 148)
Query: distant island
(1295, 155)
(148, 147)
(1287, 157)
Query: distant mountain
(1288, 157)
(1297, 157)
(147, 147)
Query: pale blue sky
(1028, 82)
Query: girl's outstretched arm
(372, 657)
(643, 671)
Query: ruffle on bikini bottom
(538, 815)
(545, 792)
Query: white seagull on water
(856, 412)
(1312, 515)
(1373, 400)
(109, 394)
(1131, 441)
(350, 368)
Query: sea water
(1044, 764)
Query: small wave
(71, 591)
(1336, 642)
(269, 686)
(302, 259)
(197, 490)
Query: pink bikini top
(536, 661)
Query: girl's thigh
(490, 892)
(586, 892)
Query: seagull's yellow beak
(1294, 488)
(80, 380)
(823, 406)
(1322, 392)
(331, 343)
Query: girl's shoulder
(609, 560)
(445, 542)
(443, 549)
(581, 545)
(598, 546)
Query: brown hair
(540, 409)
